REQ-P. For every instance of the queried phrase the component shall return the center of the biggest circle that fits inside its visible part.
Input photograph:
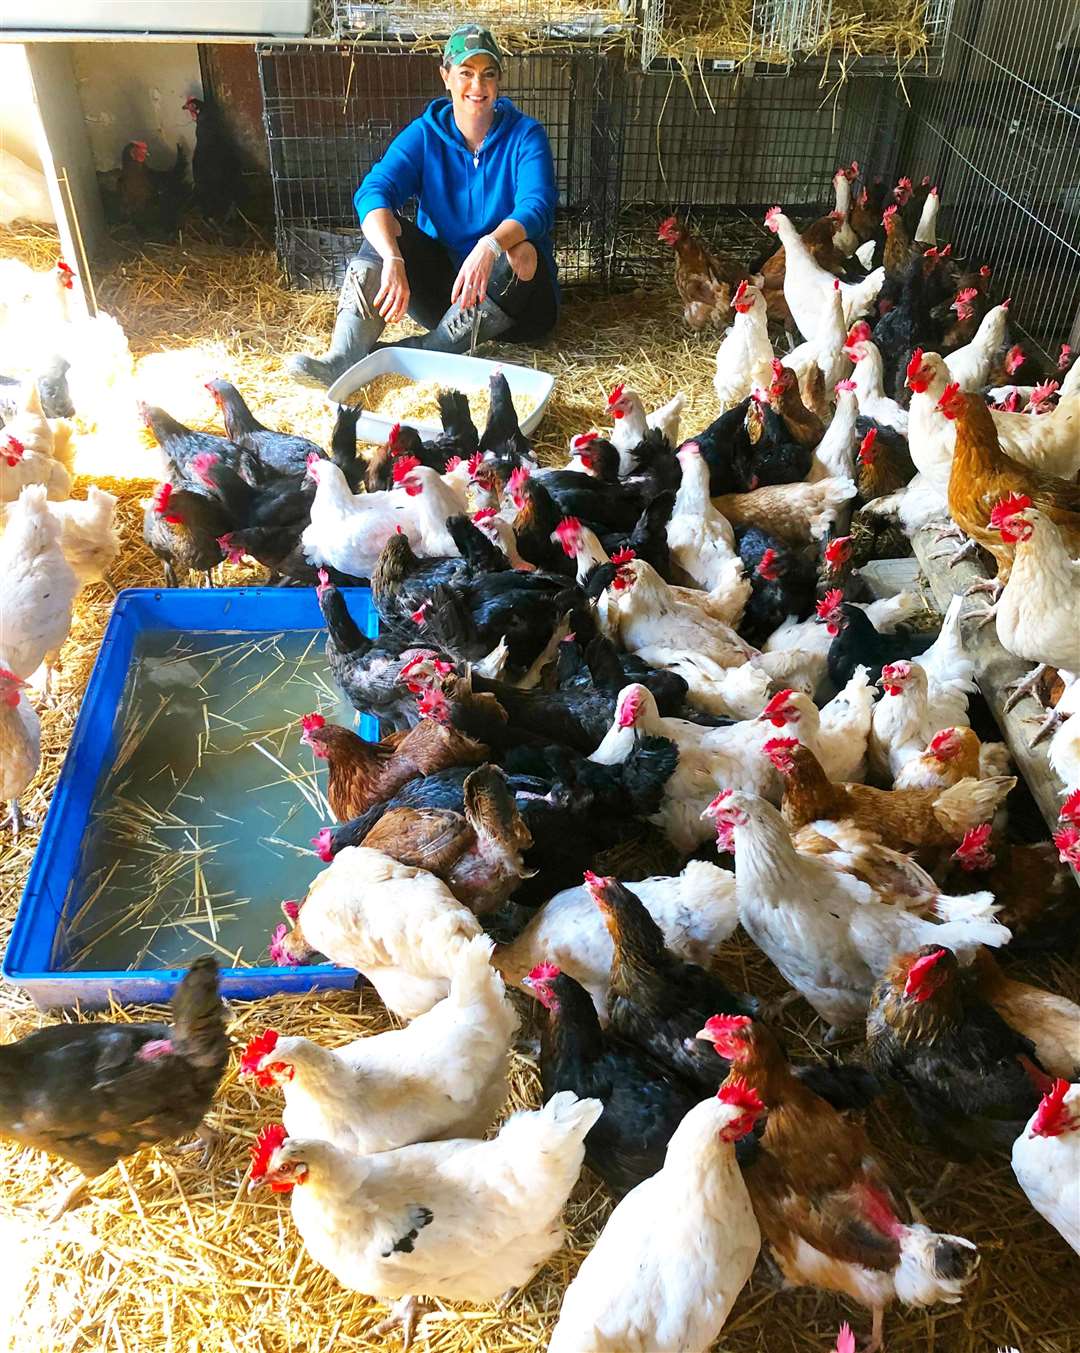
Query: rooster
(703, 280)
(825, 1206)
(1046, 1160)
(94, 1093)
(462, 1220)
(676, 1252)
(970, 1079)
(401, 927)
(828, 933)
(443, 1075)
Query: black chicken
(859, 643)
(777, 459)
(280, 453)
(180, 445)
(93, 1093)
(503, 436)
(970, 1079)
(534, 526)
(183, 529)
(782, 580)
(215, 167)
(644, 1101)
(726, 447)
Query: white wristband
(493, 244)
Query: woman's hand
(470, 285)
(392, 298)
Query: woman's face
(473, 85)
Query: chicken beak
(257, 1185)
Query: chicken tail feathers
(933, 1267)
(966, 907)
(198, 1016)
(964, 937)
(971, 802)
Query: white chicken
(744, 358)
(695, 910)
(838, 733)
(347, 531)
(926, 230)
(1064, 750)
(39, 586)
(834, 455)
(89, 536)
(433, 501)
(400, 926)
(19, 467)
(679, 1248)
(24, 194)
(826, 349)
(845, 239)
(971, 365)
(30, 426)
(631, 422)
(701, 539)
(808, 287)
(461, 1220)
(827, 933)
(869, 388)
(444, 1075)
(20, 745)
(1046, 1160)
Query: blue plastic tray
(56, 861)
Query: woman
(478, 263)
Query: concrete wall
(134, 92)
(18, 115)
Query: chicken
(1064, 750)
(184, 530)
(798, 513)
(149, 200)
(29, 426)
(827, 933)
(348, 531)
(744, 358)
(905, 819)
(20, 746)
(701, 540)
(19, 467)
(277, 452)
(816, 634)
(695, 912)
(971, 366)
(215, 166)
(807, 285)
(858, 644)
(1051, 1023)
(96, 1092)
(460, 1220)
(39, 586)
(631, 422)
(704, 281)
(982, 475)
(399, 926)
(970, 1080)
(644, 1101)
(1046, 1160)
(362, 773)
(951, 755)
(442, 1076)
(803, 427)
(824, 1204)
(89, 536)
(676, 1252)
(869, 390)
(783, 585)
(477, 853)
(837, 733)
(1034, 611)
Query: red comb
(544, 972)
(475, 462)
(162, 494)
(404, 466)
(1050, 1117)
(741, 1096)
(485, 514)
(624, 556)
(944, 744)
(779, 750)
(967, 294)
(919, 969)
(766, 567)
(616, 394)
(1067, 840)
(866, 448)
(518, 479)
(829, 602)
(583, 439)
(776, 710)
(266, 1143)
(392, 436)
(434, 705)
(255, 1051)
(838, 552)
(13, 450)
(721, 1026)
(1008, 507)
(973, 851)
(452, 464)
(1070, 809)
(310, 722)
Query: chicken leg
(207, 1139)
(877, 1333)
(1022, 686)
(405, 1313)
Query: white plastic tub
(459, 373)
(276, 18)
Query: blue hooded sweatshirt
(462, 196)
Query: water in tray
(203, 824)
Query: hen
(1051, 1023)
(94, 1093)
(461, 1220)
(798, 513)
(39, 586)
(443, 1075)
(822, 1200)
(970, 1080)
(399, 926)
(744, 358)
(827, 933)
(20, 746)
(644, 1101)
(1046, 1160)
(704, 281)
(282, 453)
(89, 536)
(632, 423)
(676, 1252)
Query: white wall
(133, 91)
(18, 115)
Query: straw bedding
(172, 1257)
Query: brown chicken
(823, 1202)
(803, 427)
(705, 281)
(880, 469)
(898, 243)
(1051, 1022)
(797, 513)
(983, 476)
(364, 773)
(865, 215)
(951, 755)
(476, 853)
(905, 819)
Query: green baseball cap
(470, 40)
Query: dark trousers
(431, 273)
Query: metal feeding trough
(51, 953)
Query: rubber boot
(356, 327)
(454, 332)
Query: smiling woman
(477, 263)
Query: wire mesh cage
(331, 113)
(521, 23)
(1000, 132)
